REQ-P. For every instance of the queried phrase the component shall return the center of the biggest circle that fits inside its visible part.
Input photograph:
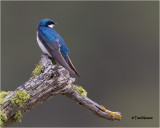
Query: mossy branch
(47, 80)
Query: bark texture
(52, 80)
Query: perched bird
(52, 44)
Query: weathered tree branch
(52, 80)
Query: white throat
(51, 25)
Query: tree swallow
(51, 43)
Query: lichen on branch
(18, 115)
(3, 117)
(38, 70)
(20, 97)
(80, 90)
(2, 95)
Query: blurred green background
(114, 46)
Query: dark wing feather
(72, 67)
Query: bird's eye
(49, 22)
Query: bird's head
(47, 23)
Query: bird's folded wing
(49, 39)
(53, 48)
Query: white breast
(42, 46)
